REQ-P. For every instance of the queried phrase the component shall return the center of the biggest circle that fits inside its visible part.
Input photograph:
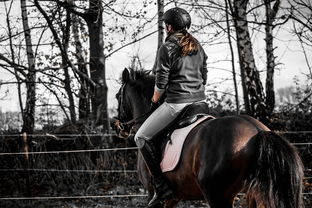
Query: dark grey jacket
(182, 77)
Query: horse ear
(132, 74)
(125, 75)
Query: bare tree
(84, 91)
(67, 80)
(67, 62)
(232, 55)
(300, 12)
(94, 19)
(160, 4)
(252, 86)
(16, 69)
(270, 13)
(29, 110)
(160, 22)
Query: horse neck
(139, 105)
(141, 97)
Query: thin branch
(13, 58)
(302, 101)
(37, 82)
(232, 56)
(304, 51)
(57, 97)
(19, 33)
(15, 65)
(134, 41)
(301, 22)
(58, 42)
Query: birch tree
(160, 5)
(270, 14)
(84, 91)
(160, 24)
(29, 110)
(252, 87)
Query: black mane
(144, 75)
(143, 81)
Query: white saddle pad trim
(173, 150)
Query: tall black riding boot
(162, 189)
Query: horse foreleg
(168, 204)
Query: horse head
(133, 97)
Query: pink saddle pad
(174, 148)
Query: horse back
(209, 149)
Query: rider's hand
(154, 106)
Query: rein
(136, 120)
(121, 125)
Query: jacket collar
(174, 37)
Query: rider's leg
(156, 122)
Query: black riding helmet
(178, 18)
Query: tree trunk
(93, 22)
(232, 55)
(160, 5)
(84, 109)
(67, 80)
(270, 17)
(29, 110)
(97, 64)
(252, 87)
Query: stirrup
(154, 201)
(160, 199)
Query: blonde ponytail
(188, 43)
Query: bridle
(132, 123)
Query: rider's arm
(157, 95)
(162, 72)
(204, 71)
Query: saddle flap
(174, 146)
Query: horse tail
(276, 179)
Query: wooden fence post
(26, 163)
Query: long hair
(188, 43)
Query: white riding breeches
(157, 121)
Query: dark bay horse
(220, 157)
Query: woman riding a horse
(181, 72)
(220, 157)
